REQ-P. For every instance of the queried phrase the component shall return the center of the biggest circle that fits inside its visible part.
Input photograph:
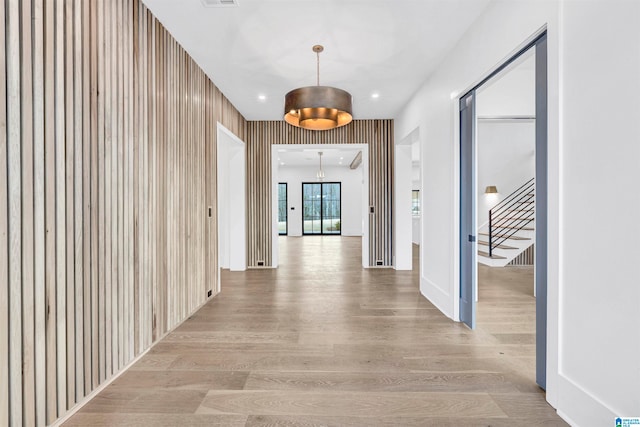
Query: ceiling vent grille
(356, 161)
(220, 3)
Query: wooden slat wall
(378, 134)
(525, 258)
(107, 171)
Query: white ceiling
(263, 47)
(300, 156)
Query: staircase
(511, 227)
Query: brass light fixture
(491, 189)
(318, 107)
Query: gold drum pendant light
(318, 107)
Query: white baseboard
(580, 408)
(437, 297)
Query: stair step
(500, 236)
(486, 255)
(515, 228)
(483, 243)
(521, 210)
(529, 202)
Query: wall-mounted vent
(356, 161)
(220, 3)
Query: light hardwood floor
(322, 342)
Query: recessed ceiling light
(281, 163)
(262, 97)
(341, 158)
(375, 95)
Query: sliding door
(321, 208)
(468, 250)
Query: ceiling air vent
(356, 161)
(220, 3)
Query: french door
(321, 208)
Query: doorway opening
(503, 193)
(334, 205)
(232, 213)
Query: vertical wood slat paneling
(101, 203)
(4, 235)
(91, 64)
(107, 164)
(76, 74)
(50, 214)
(527, 257)
(39, 212)
(70, 213)
(27, 192)
(60, 206)
(14, 213)
(378, 134)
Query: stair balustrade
(512, 215)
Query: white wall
(600, 305)
(512, 92)
(494, 37)
(497, 34)
(416, 184)
(593, 322)
(506, 159)
(415, 232)
(294, 176)
(402, 222)
(231, 165)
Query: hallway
(321, 341)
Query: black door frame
(321, 233)
(286, 207)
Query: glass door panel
(331, 208)
(311, 205)
(321, 208)
(282, 209)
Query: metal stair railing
(511, 215)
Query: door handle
(472, 238)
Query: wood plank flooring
(322, 342)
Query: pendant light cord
(318, 67)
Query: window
(282, 209)
(321, 208)
(415, 202)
